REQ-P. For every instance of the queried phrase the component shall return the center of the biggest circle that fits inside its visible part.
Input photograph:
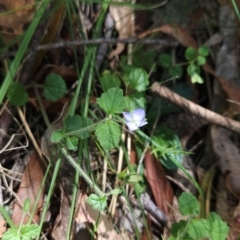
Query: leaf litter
(147, 207)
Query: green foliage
(217, 228)
(75, 127)
(72, 143)
(57, 136)
(165, 60)
(109, 80)
(108, 134)
(135, 100)
(191, 54)
(21, 232)
(144, 59)
(188, 205)
(17, 94)
(212, 228)
(26, 232)
(26, 205)
(137, 79)
(54, 87)
(98, 203)
(112, 101)
(196, 58)
(168, 140)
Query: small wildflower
(135, 119)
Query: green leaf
(72, 143)
(78, 126)
(112, 101)
(115, 191)
(203, 51)
(133, 178)
(26, 205)
(192, 69)
(17, 94)
(178, 227)
(135, 100)
(30, 231)
(175, 71)
(166, 138)
(196, 78)
(108, 134)
(98, 203)
(188, 204)
(137, 79)
(218, 229)
(198, 228)
(165, 60)
(190, 54)
(11, 234)
(54, 87)
(201, 60)
(57, 136)
(140, 56)
(109, 80)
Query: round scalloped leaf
(165, 60)
(201, 60)
(57, 136)
(17, 94)
(218, 229)
(203, 51)
(198, 228)
(137, 78)
(112, 101)
(97, 203)
(109, 80)
(135, 100)
(188, 204)
(54, 87)
(108, 134)
(190, 54)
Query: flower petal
(127, 116)
(138, 114)
(132, 126)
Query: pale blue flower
(135, 119)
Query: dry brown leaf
(85, 213)
(229, 159)
(29, 188)
(228, 208)
(14, 23)
(61, 224)
(124, 24)
(2, 226)
(156, 178)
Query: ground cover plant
(119, 119)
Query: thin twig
(92, 42)
(195, 109)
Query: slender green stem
(22, 49)
(236, 9)
(7, 217)
(50, 192)
(82, 172)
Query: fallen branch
(195, 109)
(97, 41)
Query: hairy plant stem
(89, 181)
